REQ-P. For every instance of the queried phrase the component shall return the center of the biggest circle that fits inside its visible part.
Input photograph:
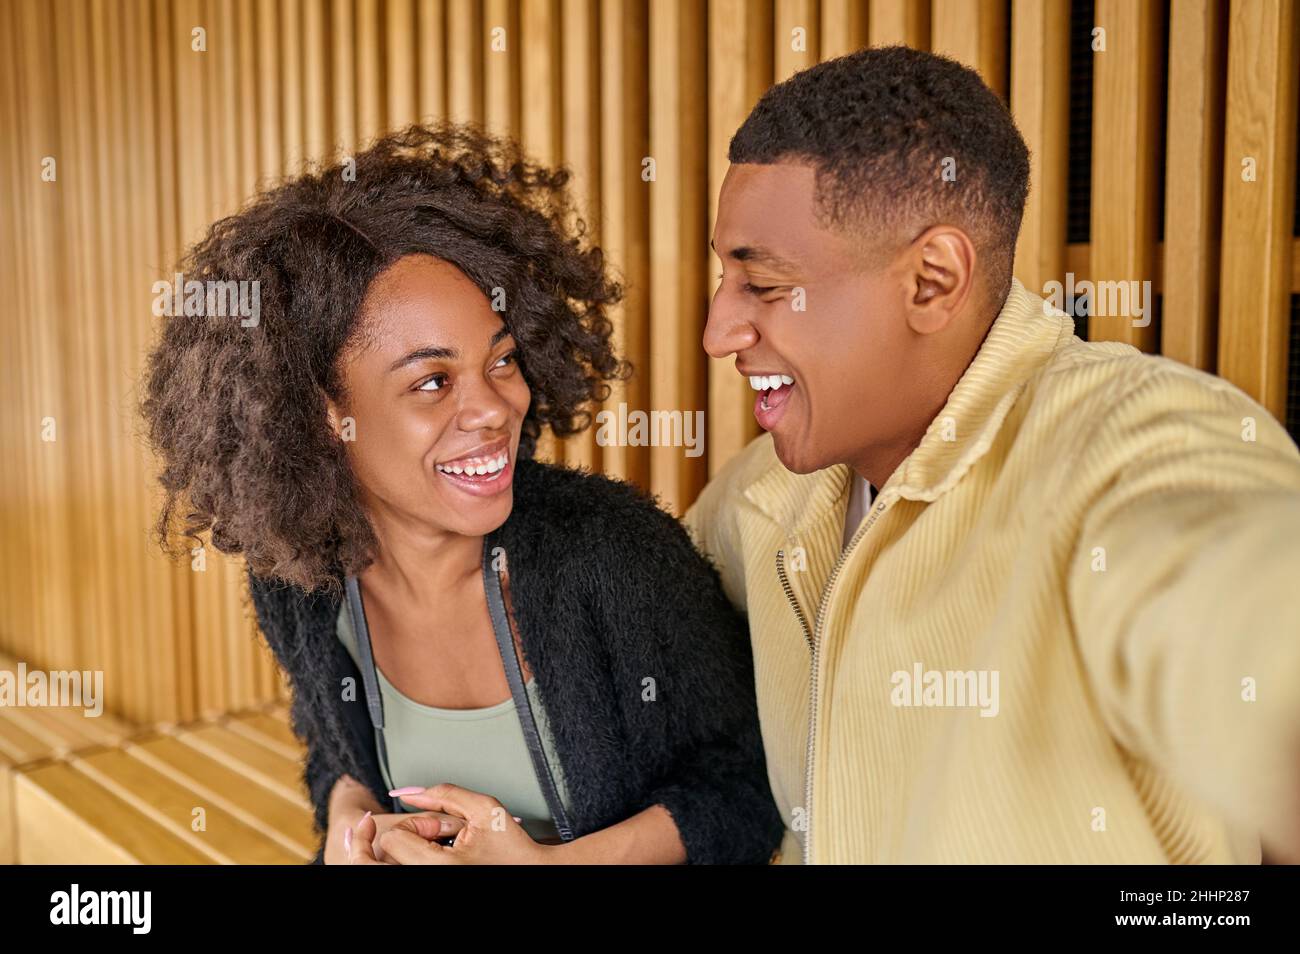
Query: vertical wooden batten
(1126, 140)
(974, 32)
(739, 34)
(1193, 183)
(678, 236)
(1040, 77)
(624, 212)
(1259, 209)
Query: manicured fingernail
(409, 790)
(516, 818)
(347, 840)
(363, 818)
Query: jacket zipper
(815, 645)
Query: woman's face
(438, 401)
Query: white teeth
(769, 382)
(786, 379)
(495, 465)
(756, 382)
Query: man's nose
(728, 330)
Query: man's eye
(760, 289)
(434, 383)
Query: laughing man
(957, 498)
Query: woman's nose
(482, 407)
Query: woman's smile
(485, 472)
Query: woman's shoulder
(282, 609)
(572, 503)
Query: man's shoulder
(1107, 376)
(1110, 401)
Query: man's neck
(877, 464)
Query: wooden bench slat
(63, 818)
(225, 838)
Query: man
(1065, 624)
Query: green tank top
(479, 749)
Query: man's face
(800, 301)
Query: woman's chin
(473, 516)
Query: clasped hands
(457, 826)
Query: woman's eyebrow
(438, 353)
(423, 354)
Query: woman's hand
(351, 801)
(490, 834)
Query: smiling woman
(551, 671)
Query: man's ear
(941, 271)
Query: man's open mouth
(774, 389)
(774, 392)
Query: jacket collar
(1021, 339)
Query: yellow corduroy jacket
(1067, 630)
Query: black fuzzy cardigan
(608, 592)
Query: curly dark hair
(237, 415)
(877, 125)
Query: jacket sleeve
(276, 620)
(1184, 589)
(684, 682)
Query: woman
(535, 657)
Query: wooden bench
(77, 790)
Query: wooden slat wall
(740, 34)
(1040, 76)
(154, 140)
(1258, 216)
(1193, 181)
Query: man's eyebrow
(436, 353)
(758, 255)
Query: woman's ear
(334, 415)
(943, 270)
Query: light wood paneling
(678, 236)
(1126, 122)
(624, 211)
(738, 34)
(899, 21)
(1040, 76)
(1193, 183)
(843, 27)
(1259, 209)
(974, 32)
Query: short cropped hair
(882, 126)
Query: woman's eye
(434, 383)
(507, 359)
